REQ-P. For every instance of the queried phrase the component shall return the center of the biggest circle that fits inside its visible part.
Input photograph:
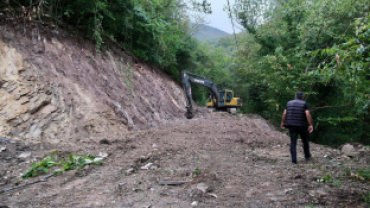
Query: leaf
(46, 170)
(88, 161)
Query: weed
(366, 198)
(328, 179)
(310, 205)
(17, 183)
(347, 172)
(364, 173)
(71, 164)
(196, 172)
(42, 166)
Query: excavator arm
(187, 79)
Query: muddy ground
(239, 161)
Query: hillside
(59, 81)
(59, 96)
(205, 32)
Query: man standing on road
(298, 120)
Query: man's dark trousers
(294, 131)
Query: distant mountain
(205, 32)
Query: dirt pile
(219, 161)
(54, 86)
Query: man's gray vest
(295, 113)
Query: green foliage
(77, 162)
(319, 47)
(196, 172)
(71, 163)
(366, 198)
(42, 166)
(364, 173)
(328, 179)
(155, 30)
(312, 205)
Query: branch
(342, 106)
(43, 179)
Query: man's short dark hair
(299, 95)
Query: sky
(219, 18)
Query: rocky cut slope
(55, 86)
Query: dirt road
(218, 161)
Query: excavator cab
(226, 100)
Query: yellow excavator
(220, 99)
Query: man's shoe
(309, 159)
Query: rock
(250, 193)
(3, 205)
(24, 155)
(129, 171)
(2, 148)
(98, 204)
(146, 167)
(47, 110)
(350, 150)
(194, 204)
(26, 117)
(105, 141)
(203, 187)
(288, 190)
(142, 159)
(23, 100)
(321, 193)
(213, 195)
(35, 131)
(103, 154)
(196, 193)
(38, 102)
(153, 167)
(14, 110)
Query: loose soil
(243, 162)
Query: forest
(319, 47)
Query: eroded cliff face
(55, 87)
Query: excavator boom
(188, 78)
(223, 99)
